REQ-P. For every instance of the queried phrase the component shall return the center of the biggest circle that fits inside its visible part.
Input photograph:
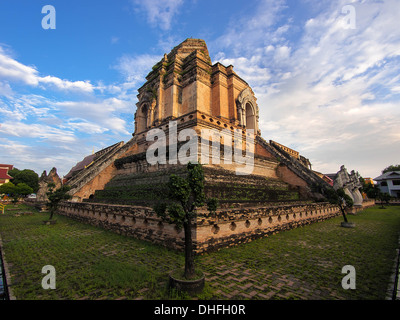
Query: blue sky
(327, 80)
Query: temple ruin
(205, 112)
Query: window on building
(396, 182)
(143, 120)
(383, 184)
(180, 95)
(250, 117)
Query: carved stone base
(190, 286)
(347, 224)
(49, 222)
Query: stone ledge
(226, 228)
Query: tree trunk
(189, 259)
(343, 213)
(52, 210)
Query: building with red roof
(4, 176)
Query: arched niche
(155, 118)
(141, 117)
(250, 117)
(247, 109)
(147, 110)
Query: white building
(389, 182)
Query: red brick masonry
(227, 228)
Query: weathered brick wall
(236, 226)
(139, 222)
(289, 177)
(227, 228)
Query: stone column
(357, 198)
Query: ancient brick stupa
(186, 91)
(195, 110)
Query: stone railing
(368, 203)
(227, 227)
(104, 160)
(138, 222)
(235, 226)
(294, 165)
(391, 202)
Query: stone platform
(228, 227)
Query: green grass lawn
(315, 254)
(304, 263)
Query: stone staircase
(313, 180)
(150, 187)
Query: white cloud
(11, 69)
(41, 157)
(41, 132)
(282, 53)
(248, 69)
(85, 126)
(135, 68)
(245, 33)
(36, 131)
(11, 148)
(160, 13)
(84, 86)
(328, 92)
(98, 116)
(5, 89)
(14, 71)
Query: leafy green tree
(369, 189)
(186, 195)
(341, 199)
(384, 198)
(391, 168)
(15, 191)
(13, 172)
(56, 196)
(372, 192)
(26, 176)
(7, 188)
(23, 189)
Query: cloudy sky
(326, 74)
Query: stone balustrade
(227, 227)
(232, 227)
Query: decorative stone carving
(44, 180)
(248, 109)
(350, 183)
